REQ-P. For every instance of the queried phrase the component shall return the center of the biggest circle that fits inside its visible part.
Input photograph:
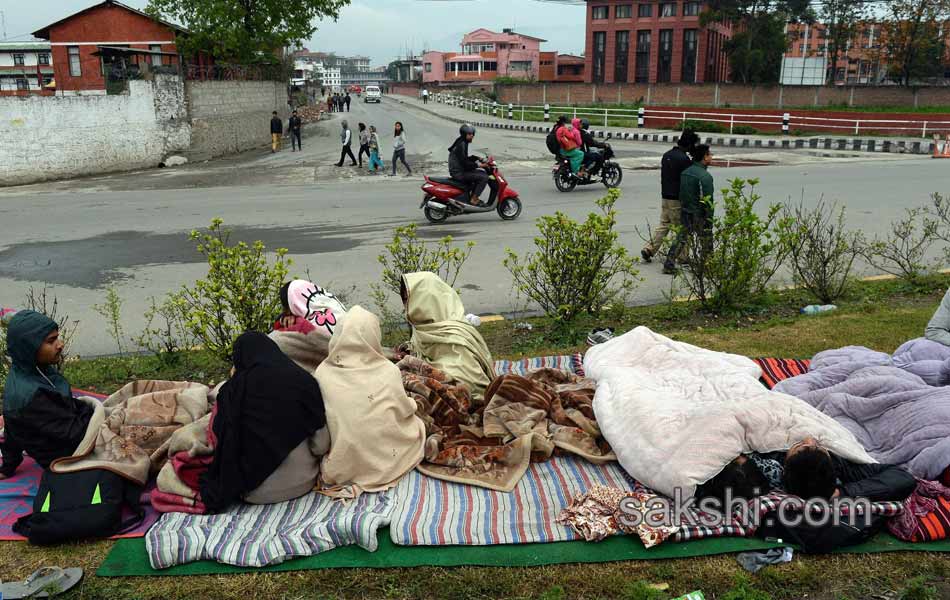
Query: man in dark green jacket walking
(696, 196)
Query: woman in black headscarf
(269, 409)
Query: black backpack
(81, 505)
(551, 140)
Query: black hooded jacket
(40, 415)
(459, 160)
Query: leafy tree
(756, 48)
(915, 39)
(244, 30)
(843, 21)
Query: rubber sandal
(43, 583)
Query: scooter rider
(470, 169)
(592, 159)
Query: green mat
(129, 559)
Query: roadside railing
(785, 122)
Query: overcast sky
(380, 29)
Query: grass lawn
(881, 315)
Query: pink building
(486, 55)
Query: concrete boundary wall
(59, 137)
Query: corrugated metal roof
(31, 45)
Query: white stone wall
(56, 137)
(233, 116)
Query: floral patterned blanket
(523, 419)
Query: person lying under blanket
(809, 471)
(440, 334)
(40, 414)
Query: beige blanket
(308, 350)
(130, 431)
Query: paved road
(131, 230)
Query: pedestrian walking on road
(346, 136)
(347, 101)
(375, 162)
(672, 165)
(276, 130)
(425, 96)
(696, 200)
(364, 142)
(294, 128)
(399, 148)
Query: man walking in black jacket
(294, 127)
(347, 100)
(346, 137)
(672, 165)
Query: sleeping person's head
(285, 300)
(809, 470)
(740, 479)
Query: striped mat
(260, 535)
(572, 363)
(775, 370)
(433, 512)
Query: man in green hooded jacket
(696, 203)
(40, 414)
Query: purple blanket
(894, 405)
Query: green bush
(821, 249)
(407, 253)
(903, 251)
(240, 293)
(733, 269)
(576, 267)
(111, 311)
(744, 130)
(166, 334)
(705, 126)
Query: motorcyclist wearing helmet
(593, 159)
(469, 169)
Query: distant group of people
(338, 102)
(370, 146)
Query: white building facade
(25, 67)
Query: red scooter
(445, 197)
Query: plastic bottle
(814, 309)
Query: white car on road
(373, 94)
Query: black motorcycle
(608, 173)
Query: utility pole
(3, 23)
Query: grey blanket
(892, 404)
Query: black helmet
(466, 129)
(585, 124)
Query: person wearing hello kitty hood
(309, 307)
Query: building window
(623, 11)
(642, 74)
(690, 46)
(428, 67)
(600, 55)
(490, 66)
(691, 8)
(622, 52)
(156, 58)
(43, 59)
(600, 13)
(520, 65)
(667, 9)
(22, 85)
(47, 79)
(18, 60)
(75, 64)
(645, 10)
(665, 70)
